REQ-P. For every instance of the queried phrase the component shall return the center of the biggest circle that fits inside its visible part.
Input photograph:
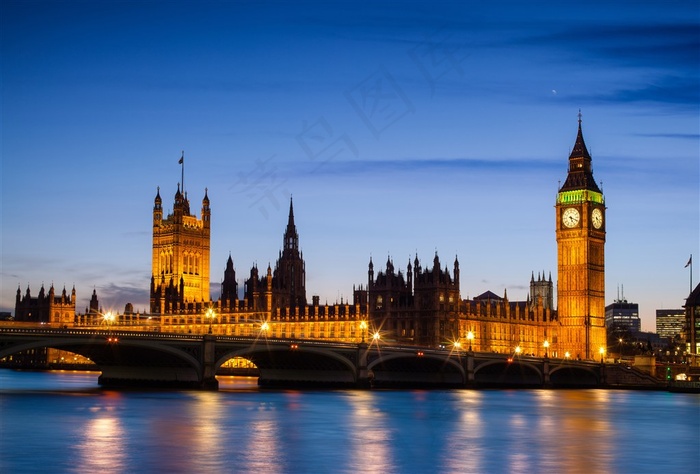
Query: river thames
(62, 422)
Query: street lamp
(363, 328)
(546, 346)
(602, 353)
(210, 315)
(567, 355)
(620, 351)
(264, 327)
(517, 350)
(376, 336)
(470, 337)
(109, 318)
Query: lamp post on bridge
(620, 360)
(109, 320)
(363, 328)
(546, 347)
(210, 315)
(470, 338)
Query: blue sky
(398, 127)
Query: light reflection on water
(61, 423)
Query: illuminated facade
(422, 306)
(180, 261)
(425, 308)
(580, 235)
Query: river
(61, 422)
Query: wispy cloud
(409, 165)
(679, 136)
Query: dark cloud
(650, 45)
(671, 91)
(116, 296)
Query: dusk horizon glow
(399, 129)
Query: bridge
(187, 360)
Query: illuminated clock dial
(571, 217)
(597, 218)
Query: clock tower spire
(580, 234)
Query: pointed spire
(579, 150)
(580, 174)
(290, 222)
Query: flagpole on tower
(182, 180)
(690, 264)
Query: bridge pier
(545, 373)
(364, 377)
(208, 376)
(469, 366)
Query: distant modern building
(670, 323)
(623, 315)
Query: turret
(456, 272)
(157, 209)
(229, 287)
(206, 211)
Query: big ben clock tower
(580, 220)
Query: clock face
(571, 217)
(597, 218)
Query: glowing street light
(470, 337)
(546, 346)
(363, 328)
(458, 345)
(376, 336)
(602, 353)
(517, 350)
(567, 355)
(264, 327)
(109, 318)
(210, 315)
(620, 340)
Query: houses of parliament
(420, 304)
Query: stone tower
(580, 234)
(180, 264)
(289, 276)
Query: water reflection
(52, 425)
(370, 440)
(101, 446)
(463, 443)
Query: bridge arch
(508, 372)
(573, 376)
(297, 364)
(126, 361)
(410, 369)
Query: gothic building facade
(425, 307)
(46, 308)
(421, 305)
(180, 256)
